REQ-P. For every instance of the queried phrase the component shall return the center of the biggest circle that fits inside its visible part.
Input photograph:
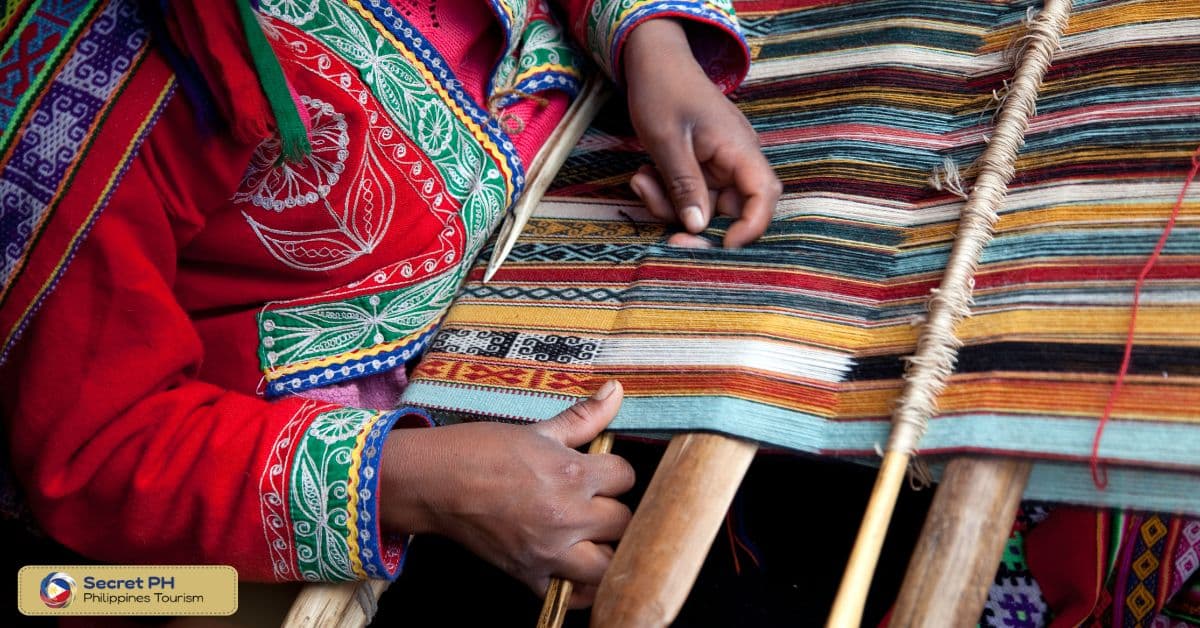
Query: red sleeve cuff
(720, 47)
(324, 525)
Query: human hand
(708, 157)
(519, 496)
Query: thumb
(685, 183)
(582, 422)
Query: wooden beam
(664, 547)
(962, 542)
(341, 604)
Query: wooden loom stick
(545, 167)
(937, 347)
(954, 563)
(663, 548)
(329, 604)
(558, 594)
(338, 604)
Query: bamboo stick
(668, 538)
(937, 347)
(852, 594)
(558, 594)
(546, 166)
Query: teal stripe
(1133, 441)
(1165, 443)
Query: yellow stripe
(83, 229)
(475, 129)
(1157, 325)
(283, 371)
(1126, 215)
(360, 442)
(1144, 398)
(546, 67)
(1107, 16)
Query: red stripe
(1080, 270)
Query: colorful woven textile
(1015, 599)
(1152, 557)
(798, 340)
(65, 67)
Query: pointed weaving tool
(546, 165)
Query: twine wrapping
(928, 370)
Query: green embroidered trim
(322, 497)
(505, 75)
(513, 14)
(544, 47)
(35, 88)
(470, 174)
(10, 12)
(293, 335)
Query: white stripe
(788, 360)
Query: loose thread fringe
(948, 178)
(1099, 473)
(920, 477)
(293, 135)
(738, 539)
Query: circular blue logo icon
(57, 589)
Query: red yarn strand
(1099, 474)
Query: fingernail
(637, 189)
(605, 391)
(693, 219)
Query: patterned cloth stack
(872, 113)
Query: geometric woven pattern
(798, 340)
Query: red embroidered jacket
(155, 417)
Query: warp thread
(735, 528)
(928, 370)
(1099, 474)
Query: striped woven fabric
(798, 340)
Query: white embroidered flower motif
(295, 12)
(274, 184)
(335, 426)
(336, 227)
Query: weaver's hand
(708, 157)
(519, 496)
